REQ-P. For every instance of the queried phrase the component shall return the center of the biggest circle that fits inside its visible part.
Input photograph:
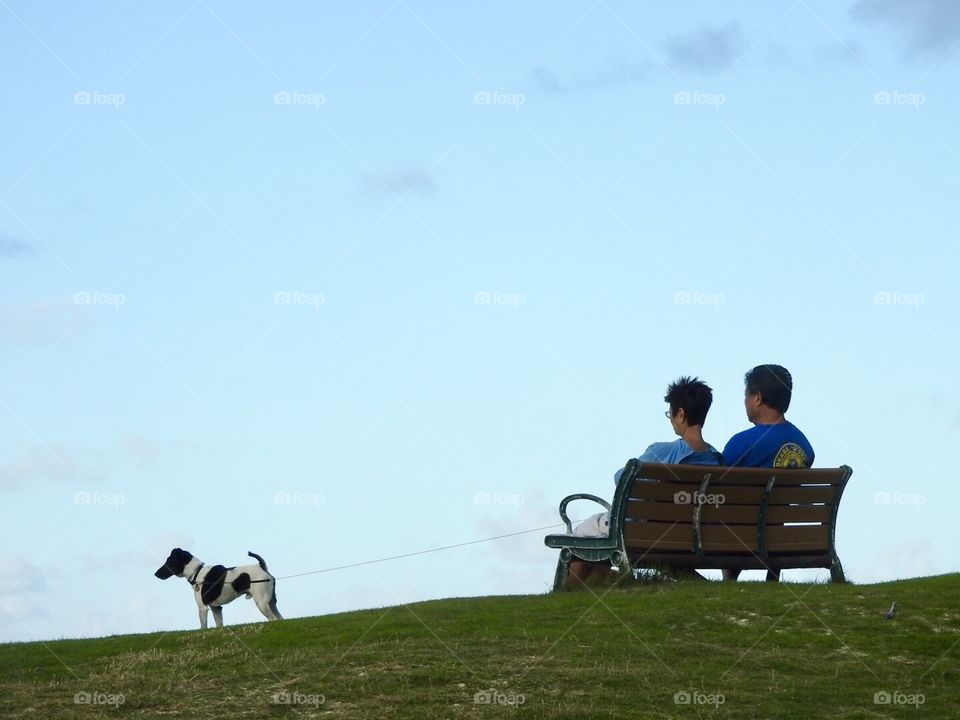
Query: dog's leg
(273, 608)
(218, 616)
(202, 609)
(266, 607)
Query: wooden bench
(704, 516)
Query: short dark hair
(773, 382)
(691, 394)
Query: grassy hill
(678, 650)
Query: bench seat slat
(663, 536)
(729, 514)
(734, 494)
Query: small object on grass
(892, 611)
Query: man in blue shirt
(772, 441)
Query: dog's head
(175, 564)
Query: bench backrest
(705, 509)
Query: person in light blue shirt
(689, 400)
(772, 441)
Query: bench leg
(773, 575)
(563, 571)
(731, 574)
(836, 571)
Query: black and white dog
(216, 585)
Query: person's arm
(649, 455)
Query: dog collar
(196, 572)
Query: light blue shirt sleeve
(661, 452)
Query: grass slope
(748, 650)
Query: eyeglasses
(668, 414)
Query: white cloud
(39, 322)
(928, 26)
(706, 49)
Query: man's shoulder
(794, 429)
(744, 435)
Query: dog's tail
(263, 563)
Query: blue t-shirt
(780, 445)
(675, 452)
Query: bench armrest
(578, 496)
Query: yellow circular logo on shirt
(790, 455)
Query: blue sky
(319, 281)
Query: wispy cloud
(11, 248)
(929, 26)
(36, 463)
(612, 73)
(400, 182)
(706, 49)
(838, 54)
(39, 322)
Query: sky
(337, 282)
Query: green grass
(771, 651)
